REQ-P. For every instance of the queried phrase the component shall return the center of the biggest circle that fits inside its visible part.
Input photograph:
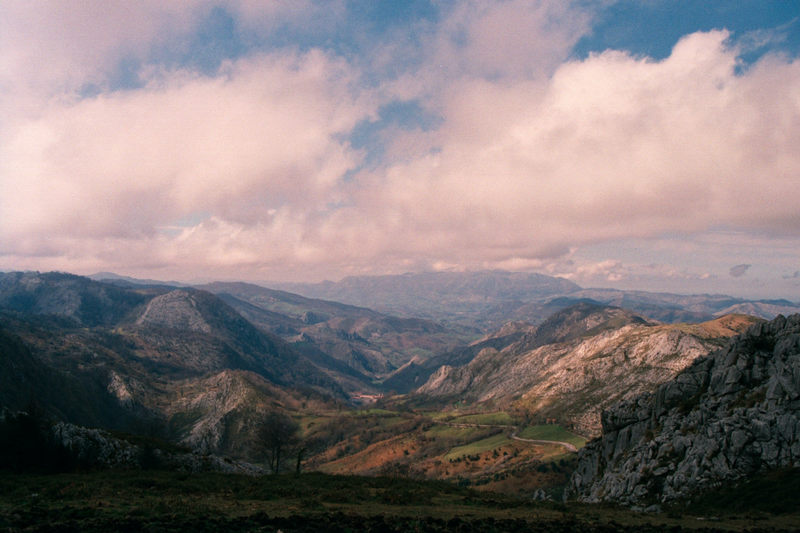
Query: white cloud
(611, 147)
(58, 47)
(534, 154)
(261, 137)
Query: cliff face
(725, 417)
(578, 376)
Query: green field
(479, 446)
(552, 432)
(373, 411)
(455, 433)
(490, 419)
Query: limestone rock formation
(581, 361)
(727, 416)
(177, 309)
(98, 448)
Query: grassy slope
(552, 432)
(479, 446)
(163, 501)
(499, 418)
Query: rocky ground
(574, 378)
(726, 417)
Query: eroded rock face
(724, 417)
(98, 448)
(575, 379)
(176, 309)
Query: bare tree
(277, 433)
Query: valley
(239, 378)
(399, 266)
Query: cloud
(260, 140)
(739, 270)
(73, 44)
(611, 147)
(249, 170)
(612, 271)
(505, 42)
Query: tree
(277, 433)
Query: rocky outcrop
(577, 377)
(725, 417)
(177, 309)
(219, 413)
(97, 448)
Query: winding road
(566, 445)
(513, 435)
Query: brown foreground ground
(169, 501)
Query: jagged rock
(585, 359)
(723, 418)
(541, 496)
(99, 448)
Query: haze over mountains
(488, 299)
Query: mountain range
(105, 356)
(201, 366)
(486, 300)
(372, 343)
(578, 362)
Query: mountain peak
(581, 320)
(177, 309)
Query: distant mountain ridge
(487, 299)
(672, 308)
(110, 277)
(456, 297)
(372, 343)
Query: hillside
(128, 358)
(725, 418)
(371, 343)
(83, 301)
(416, 373)
(579, 361)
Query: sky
(647, 144)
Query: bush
(27, 445)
